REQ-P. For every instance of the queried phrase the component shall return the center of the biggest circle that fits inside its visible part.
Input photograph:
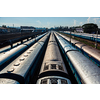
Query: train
(53, 69)
(22, 69)
(6, 56)
(7, 48)
(83, 69)
(84, 36)
(90, 52)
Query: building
(80, 30)
(40, 30)
(13, 30)
(27, 29)
(3, 30)
(9, 30)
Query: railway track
(47, 59)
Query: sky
(48, 21)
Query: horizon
(48, 22)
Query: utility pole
(96, 39)
(70, 35)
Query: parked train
(7, 48)
(84, 70)
(22, 69)
(85, 36)
(4, 57)
(53, 70)
(90, 52)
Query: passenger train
(90, 52)
(53, 69)
(92, 37)
(6, 56)
(84, 70)
(22, 69)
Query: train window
(63, 81)
(46, 67)
(53, 66)
(54, 80)
(44, 81)
(60, 68)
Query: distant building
(80, 30)
(3, 30)
(40, 30)
(13, 30)
(27, 29)
(8, 30)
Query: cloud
(88, 20)
(74, 22)
(95, 19)
(38, 21)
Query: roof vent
(46, 67)
(44, 81)
(60, 67)
(63, 81)
(54, 81)
(53, 66)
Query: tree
(46, 29)
(4, 26)
(90, 27)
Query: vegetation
(60, 28)
(90, 28)
(4, 26)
